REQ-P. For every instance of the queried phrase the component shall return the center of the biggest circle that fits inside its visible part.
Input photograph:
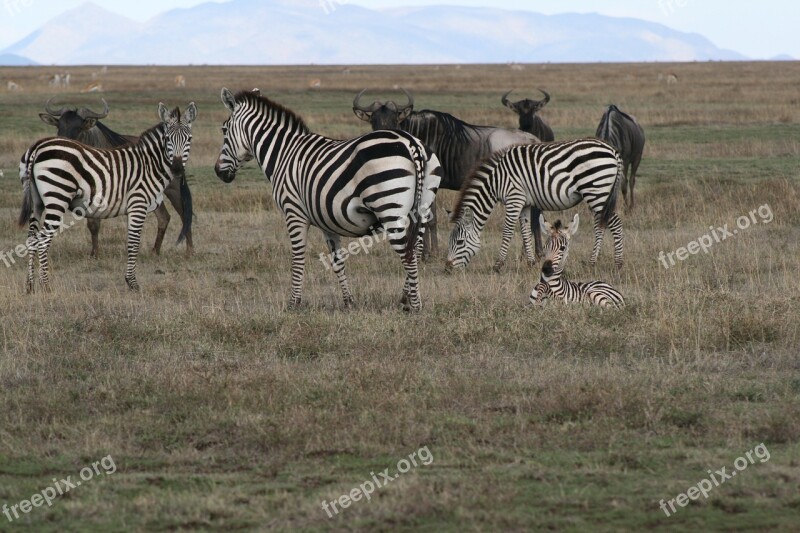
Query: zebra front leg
(135, 222)
(337, 256)
(525, 230)
(94, 230)
(298, 234)
(513, 210)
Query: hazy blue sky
(759, 30)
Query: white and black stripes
(552, 284)
(66, 175)
(551, 176)
(381, 181)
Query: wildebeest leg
(337, 262)
(136, 216)
(536, 229)
(163, 221)
(173, 193)
(625, 179)
(94, 229)
(431, 235)
(513, 209)
(525, 230)
(634, 170)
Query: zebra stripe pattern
(552, 284)
(60, 174)
(381, 181)
(552, 176)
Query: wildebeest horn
(85, 112)
(410, 98)
(546, 96)
(54, 112)
(505, 101)
(358, 106)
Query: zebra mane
(260, 100)
(484, 167)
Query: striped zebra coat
(381, 181)
(551, 176)
(61, 175)
(552, 284)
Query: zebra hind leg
(615, 225)
(337, 263)
(599, 231)
(44, 239)
(32, 244)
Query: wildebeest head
(383, 115)
(71, 123)
(526, 109)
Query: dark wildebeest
(528, 119)
(460, 146)
(624, 133)
(84, 126)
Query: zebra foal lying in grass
(552, 284)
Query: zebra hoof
(349, 303)
(294, 305)
(498, 267)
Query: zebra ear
(228, 99)
(545, 225)
(163, 112)
(191, 114)
(573, 226)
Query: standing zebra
(384, 180)
(552, 283)
(552, 176)
(61, 174)
(624, 133)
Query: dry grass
(224, 410)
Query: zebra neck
(480, 197)
(270, 139)
(150, 152)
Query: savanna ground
(223, 410)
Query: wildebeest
(528, 119)
(459, 145)
(624, 133)
(83, 125)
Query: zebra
(556, 246)
(529, 120)
(552, 284)
(383, 180)
(61, 174)
(624, 133)
(551, 176)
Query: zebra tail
(418, 155)
(25, 176)
(186, 199)
(611, 203)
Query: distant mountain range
(246, 32)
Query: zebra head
(526, 109)
(177, 137)
(383, 115)
(235, 150)
(465, 241)
(558, 239)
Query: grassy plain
(223, 410)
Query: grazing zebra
(551, 176)
(552, 284)
(61, 174)
(384, 180)
(624, 133)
